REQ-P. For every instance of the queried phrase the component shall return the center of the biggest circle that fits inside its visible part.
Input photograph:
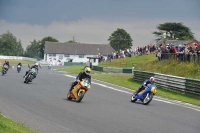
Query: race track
(106, 108)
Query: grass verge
(128, 82)
(9, 126)
(12, 61)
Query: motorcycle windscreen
(86, 84)
(33, 71)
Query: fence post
(133, 71)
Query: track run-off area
(42, 105)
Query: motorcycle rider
(19, 64)
(81, 76)
(49, 65)
(6, 63)
(34, 66)
(145, 83)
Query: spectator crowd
(163, 51)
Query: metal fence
(17, 58)
(182, 57)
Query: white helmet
(152, 79)
(36, 64)
(87, 70)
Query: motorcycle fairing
(75, 90)
(143, 92)
(153, 90)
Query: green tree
(120, 39)
(33, 49)
(42, 44)
(174, 31)
(36, 48)
(19, 49)
(9, 45)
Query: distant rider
(19, 64)
(6, 63)
(34, 66)
(145, 83)
(81, 76)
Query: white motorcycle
(18, 68)
(49, 66)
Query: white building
(74, 52)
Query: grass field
(12, 61)
(9, 126)
(151, 63)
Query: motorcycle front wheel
(148, 98)
(81, 95)
(134, 97)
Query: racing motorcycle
(4, 69)
(49, 66)
(30, 75)
(79, 90)
(18, 68)
(146, 95)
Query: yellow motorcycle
(79, 90)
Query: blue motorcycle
(146, 95)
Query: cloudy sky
(93, 21)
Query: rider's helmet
(36, 64)
(87, 70)
(152, 80)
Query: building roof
(174, 42)
(77, 48)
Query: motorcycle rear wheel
(68, 96)
(148, 98)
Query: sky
(93, 21)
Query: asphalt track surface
(106, 108)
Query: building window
(54, 55)
(60, 57)
(50, 55)
(81, 56)
(66, 55)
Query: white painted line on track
(179, 103)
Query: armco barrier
(192, 86)
(97, 68)
(111, 69)
(126, 70)
(17, 58)
(175, 83)
(170, 82)
(73, 64)
(114, 70)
